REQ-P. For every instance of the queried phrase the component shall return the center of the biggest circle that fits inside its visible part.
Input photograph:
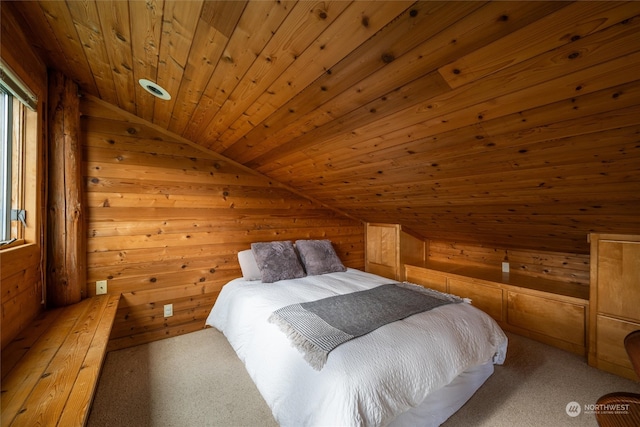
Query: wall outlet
(168, 310)
(505, 267)
(101, 287)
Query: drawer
(610, 334)
(427, 278)
(557, 319)
(486, 298)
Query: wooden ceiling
(509, 124)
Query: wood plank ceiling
(510, 124)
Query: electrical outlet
(505, 267)
(168, 310)
(101, 287)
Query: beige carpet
(197, 380)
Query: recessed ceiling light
(154, 89)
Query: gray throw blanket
(317, 327)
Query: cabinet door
(427, 278)
(610, 342)
(557, 319)
(485, 297)
(619, 279)
(382, 250)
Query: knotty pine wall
(559, 266)
(165, 221)
(21, 268)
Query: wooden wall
(560, 266)
(21, 267)
(165, 221)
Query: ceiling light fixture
(154, 89)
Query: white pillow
(248, 265)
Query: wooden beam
(66, 257)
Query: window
(6, 103)
(18, 130)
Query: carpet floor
(197, 380)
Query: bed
(415, 371)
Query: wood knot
(153, 280)
(365, 21)
(388, 58)
(132, 131)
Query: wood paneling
(556, 266)
(22, 268)
(21, 281)
(503, 124)
(165, 221)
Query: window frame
(18, 155)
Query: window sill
(13, 244)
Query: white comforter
(367, 381)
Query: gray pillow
(319, 257)
(277, 261)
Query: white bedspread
(367, 381)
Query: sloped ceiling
(509, 124)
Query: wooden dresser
(615, 300)
(549, 311)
